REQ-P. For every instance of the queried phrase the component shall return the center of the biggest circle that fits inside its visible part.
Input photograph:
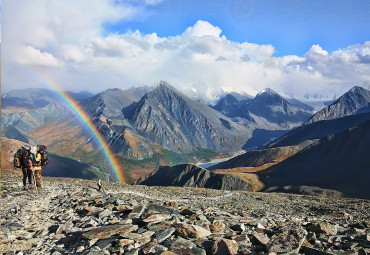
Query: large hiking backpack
(43, 150)
(17, 161)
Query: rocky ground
(70, 216)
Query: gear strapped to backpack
(17, 161)
(42, 149)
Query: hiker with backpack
(26, 165)
(37, 164)
(28, 159)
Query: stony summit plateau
(70, 216)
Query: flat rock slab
(185, 247)
(108, 231)
(162, 235)
(224, 247)
(192, 231)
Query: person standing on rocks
(26, 165)
(36, 163)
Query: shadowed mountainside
(187, 175)
(318, 130)
(260, 158)
(340, 162)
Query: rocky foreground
(70, 216)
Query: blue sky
(305, 49)
(292, 26)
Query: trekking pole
(34, 182)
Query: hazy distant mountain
(268, 110)
(340, 162)
(355, 101)
(35, 98)
(32, 98)
(192, 176)
(19, 125)
(229, 106)
(111, 102)
(203, 96)
(300, 104)
(82, 95)
(275, 109)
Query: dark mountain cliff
(192, 176)
(318, 130)
(355, 101)
(340, 162)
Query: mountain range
(268, 110)
(151, 126)
(329, 152)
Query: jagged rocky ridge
(171, 119)
(187, 175)
(355, 101)
(268, 110)
(70, 216)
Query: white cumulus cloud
(69, 37)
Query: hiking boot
(24, 187)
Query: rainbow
(113, 162)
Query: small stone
(225, 246)
(262, 239)
(241, 238)
(135, 251)
(105, 213)
(187, 212)
(238, 227)
(325, 228)
(108, 231)
(137, 211)
(153, 248)
(155, 218)
(64, 226)
(311, 237)
(174, 204)
(91, 209)
(80, 249)
(182, 246)
(217, 226)
(162, 235)
(192, 231)
(141, 238)
(260, 226)
(122, 208)
(105, 243)
(162, 209)
(167, 253)
(124, 242)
